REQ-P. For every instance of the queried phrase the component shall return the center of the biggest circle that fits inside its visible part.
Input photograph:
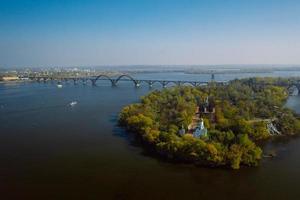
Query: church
(197, 132)
(200, 130)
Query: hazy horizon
(161, 67)
(114, 33)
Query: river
(50, 150)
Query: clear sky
(116, 32)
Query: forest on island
(242, 108)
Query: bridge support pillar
(151, 84)
(164, 84)
(212, 77)
(178, 83)
(137, 83)
(74, 81)
(113, 83)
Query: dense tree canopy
(241, 110)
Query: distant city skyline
(151, 32)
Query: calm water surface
(49, 150)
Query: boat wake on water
(73, 103)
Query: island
(213, 125)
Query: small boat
(270, 154)
(59, 85)
(73, 103)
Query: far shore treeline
(242, 110)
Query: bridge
(124, 77)
(293, 88)
(292, 84)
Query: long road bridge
(124, 77)
(293, 86)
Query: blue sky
(116, 32)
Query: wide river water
(50, 150)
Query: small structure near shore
(272, 128)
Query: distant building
(200, 130)
(24, 78)
(10, 78)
